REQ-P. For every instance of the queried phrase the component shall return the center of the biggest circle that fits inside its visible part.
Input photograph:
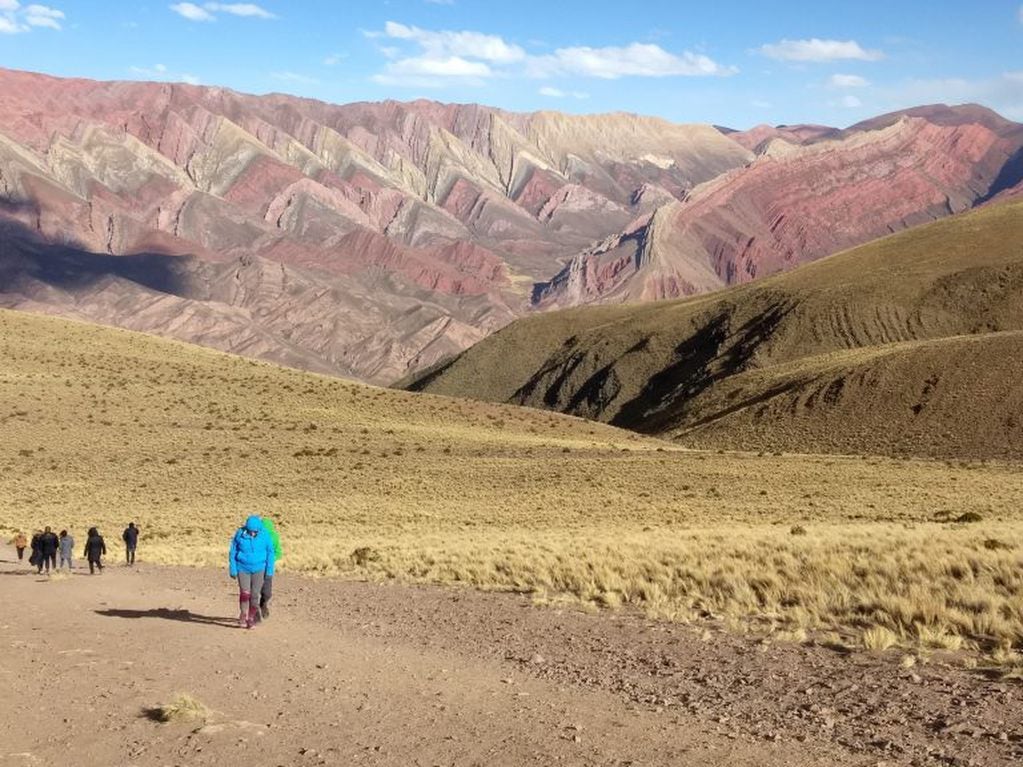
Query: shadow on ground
(165, 613)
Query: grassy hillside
(828, 357)
(104, 426)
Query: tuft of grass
(879, 638)
(183, 708)
(969, 518)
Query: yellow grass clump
(184, 708)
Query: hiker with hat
(250, 559)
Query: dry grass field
(103, 426)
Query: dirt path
(353, 673)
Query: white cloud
(192, 12)
(163, 73)
(43, 16)
(15, 18)
(461, 55)
(294, 77)
(208, 11)
(451, 66)
(847, 102)
(637, 59)
(818, 50)
(848, 81)
(333, 59)
(443, 44)
(240, 9)
(557, 93)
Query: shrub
(182, 708)
(363, 555)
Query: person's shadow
(167, 614)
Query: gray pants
(267, 592)
(66, 558)
(250, 585)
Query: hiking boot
(264, 611)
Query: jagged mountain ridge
(809, 193)
(372, 240)
(448, 206)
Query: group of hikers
(255, 549)
(46, 545)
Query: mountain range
(375, 240)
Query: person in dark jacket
(130, 536)
(36, 558)
(95, 550)
(250, 559)
(48, 546)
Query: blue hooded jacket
(252, 553)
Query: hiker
(37, 549)
(130, 536)
(267, 592)
(250, 560)
(48, 545)
(67, 547)
(95, 550)
(20, 542)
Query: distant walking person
(130, 536)
(20, 542)
(48, 545)
(95, 550)
(267, 592)
(67, 548)
(37, 549)
(250, 560)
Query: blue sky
(734, 63)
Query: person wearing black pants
(95, 549)
(130, 536)
(48, 545)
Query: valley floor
(387, 674)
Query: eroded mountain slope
(910, 343)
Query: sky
(736, 63)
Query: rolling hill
(907, 345)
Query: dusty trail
(353, 673)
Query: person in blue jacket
(250, 560)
